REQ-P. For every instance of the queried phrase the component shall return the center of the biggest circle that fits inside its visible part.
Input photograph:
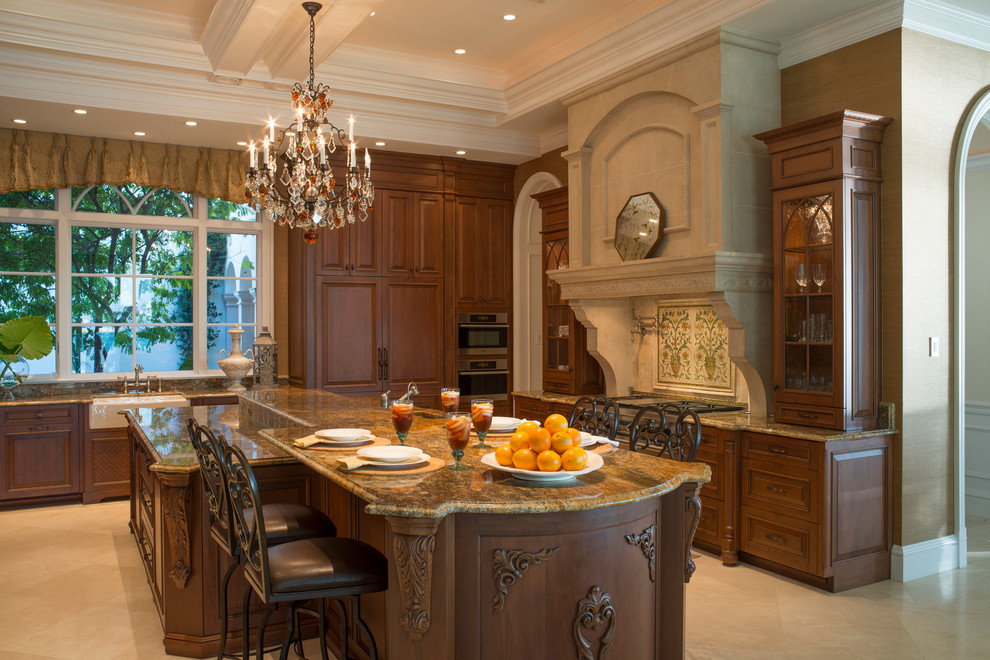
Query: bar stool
(673, 430)
(598, 416)
(316, 568)
(285, 522)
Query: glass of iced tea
(481, 415)
(450, 398)
(402, 418)
(458, 433)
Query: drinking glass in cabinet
(818, 275)
(801, 276)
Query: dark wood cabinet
(412, 233)
(717, 526)
(568, 368)
(355, 250)
(817, 511)
(482, 236)
(39, 453)
(826, 204)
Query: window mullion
(63, 286)
(199, 291)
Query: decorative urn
(236, 365)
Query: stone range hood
(679, 126)
(736, 285)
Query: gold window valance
(50, 160)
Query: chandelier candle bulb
(266, 152)
(350, 128)
(254, 155)
(367, 163)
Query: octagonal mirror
(639, 227)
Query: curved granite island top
(625, 477)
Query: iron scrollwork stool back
(674, 431)
(598, 416)
(298, 571)
(286, 522)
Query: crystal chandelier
(294, 183)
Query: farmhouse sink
(104, 412)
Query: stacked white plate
(505, 424)
(344, 437)
(393, 457)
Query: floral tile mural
(693, 349)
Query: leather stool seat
(326, 564)
(286, 523)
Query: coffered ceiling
(151, 66)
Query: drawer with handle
(41, 415)
(787, 451)
(779, 539)
(790, 491)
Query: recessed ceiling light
(140, 133)
(460, 153)
(371, 14)
(80, 111)
(509, 17)
(20, 121)
(190, 123)
(379, 144)
(242, 144)
(460, 51)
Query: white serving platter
(389, 453)
(594, 462)
(343, 435)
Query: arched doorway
(527, 300)
(965, 252)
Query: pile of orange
(548, 448)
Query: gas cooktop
(700, 407)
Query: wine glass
(818, 275)
(801, 276)
(481, 415)
(402, 418)
(458, 426)
(450, 398)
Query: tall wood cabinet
(373, 306)
(826, 212)
(568, 368)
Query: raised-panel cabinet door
(414, 335)
(497, 251)
(469, 243)
(429, 236)
(39, 463)
(365, 246)
(332, 249)
(349, 335)
(399, 231)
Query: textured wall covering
(693, 350)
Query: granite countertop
(741, 421)
(625, 477)
(164, 432)
(34, 394)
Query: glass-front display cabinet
(826, 205)
(567, 366)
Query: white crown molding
(947, 22)
(83, 16)
(555, 138)
(977, 163)
(656, 33)
(846, 30)
(417, 68)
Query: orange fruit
(524, 459)
(563, 441)
(548, 461)
(539, 440)
(519, 440)
(574, 433)
(574, 458)
(503, 455)
(527, 427)
(555, 422)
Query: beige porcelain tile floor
(72, 587)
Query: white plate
(504, 423)
(594, 462)
(418, 459)
(389, 454)
(587, 439)
(342, 435)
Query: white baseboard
(918, 560)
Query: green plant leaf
(28, 336)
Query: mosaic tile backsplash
(693, 350)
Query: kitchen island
(482, 564)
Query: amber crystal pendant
(311, 236)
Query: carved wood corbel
(413, 543)
(594, 610)
(176, 495)
(508, 566)
(646, 540)
(692, 514)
